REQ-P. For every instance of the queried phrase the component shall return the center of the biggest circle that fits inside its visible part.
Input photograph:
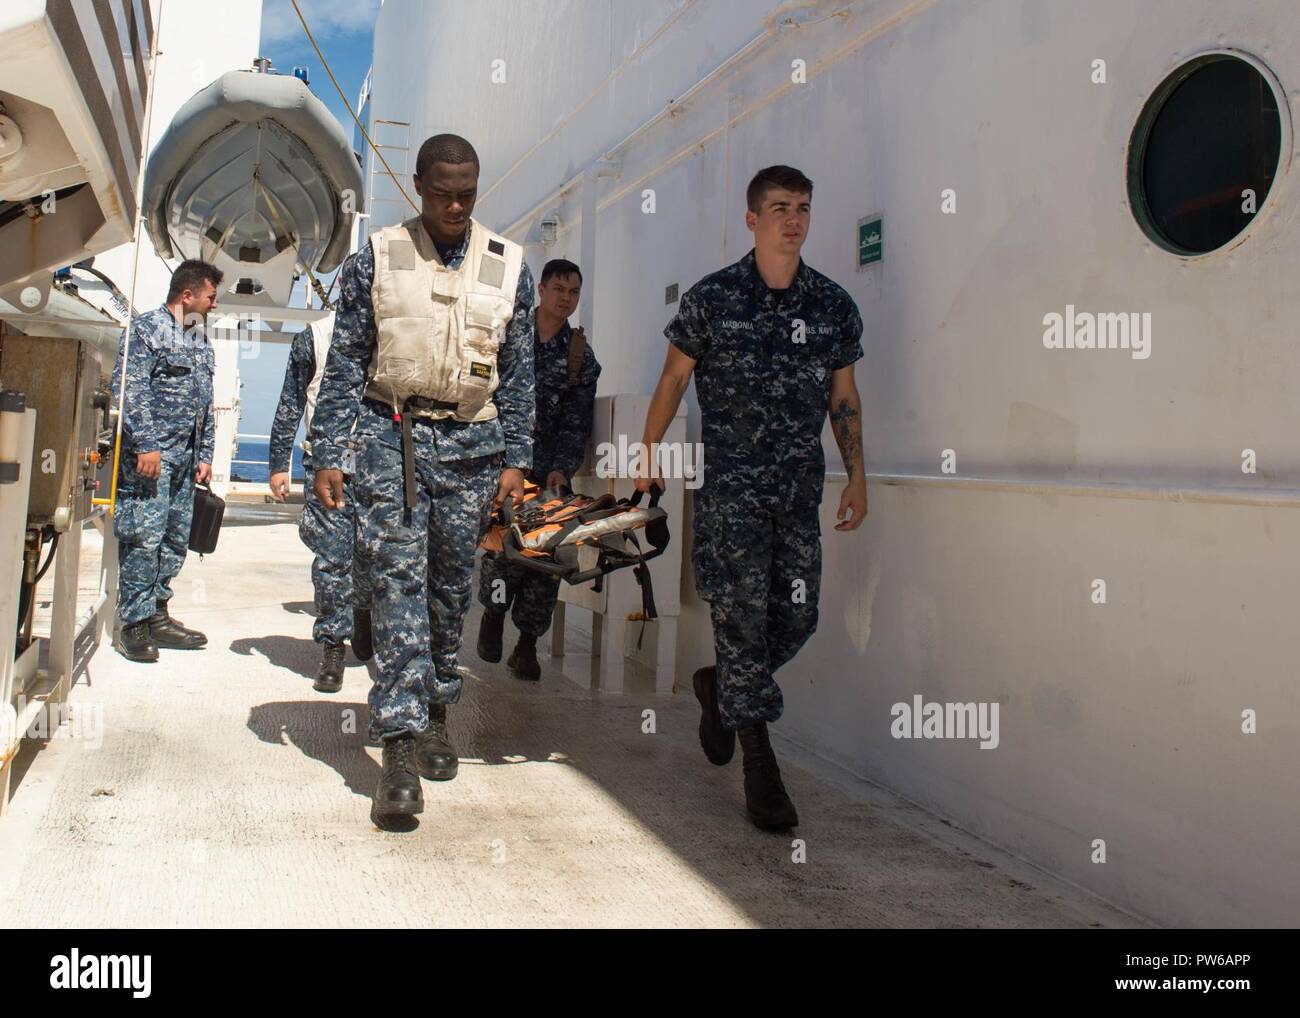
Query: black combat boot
(330, 679)
(765, 797)
(363, 644)
(523, 661)
(399, 792)
(489, 636)
(435, 756)
(135, 643)
(167, 632)
(719, 743)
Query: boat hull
(256, 176)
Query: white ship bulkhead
(1120, 722)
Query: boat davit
(256, 176)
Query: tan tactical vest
(440, 328)
(321, 332)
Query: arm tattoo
(848, 435)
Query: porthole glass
(1204, 154)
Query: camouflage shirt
(298, 374)
(563, 414)
(168, 403)
(763, 368)
(353, 344)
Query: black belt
(404, 422)
(415, 403)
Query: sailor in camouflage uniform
(340, 570)
(566, 372)
(432, 360)
(771, 343)
(167, 445)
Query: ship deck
(223, 791)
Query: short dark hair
(785, 177)
(444, 148)
(190, 275)
(560, 267)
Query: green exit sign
(871, 240)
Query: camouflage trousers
(340, 571)
(152, 524)
(422, 569)
(528, 595)
(744, 559)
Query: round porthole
(1205, 152)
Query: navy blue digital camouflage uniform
(168, 409)
(422, 569)
(560, 433)
(763, 386)
(340, 570)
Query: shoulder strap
(577, 347)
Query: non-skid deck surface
(227, 793)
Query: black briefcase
(205, 526)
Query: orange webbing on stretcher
(555, 512)
(545, 530)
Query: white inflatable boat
(256, 176)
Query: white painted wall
(1119, 721)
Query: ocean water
(259, 471)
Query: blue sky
(343, 30)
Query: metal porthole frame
(1141, 136)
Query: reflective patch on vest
(401, 254)
(491, 271)
(480, 369)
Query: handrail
(1288, 498)
(152, 82)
